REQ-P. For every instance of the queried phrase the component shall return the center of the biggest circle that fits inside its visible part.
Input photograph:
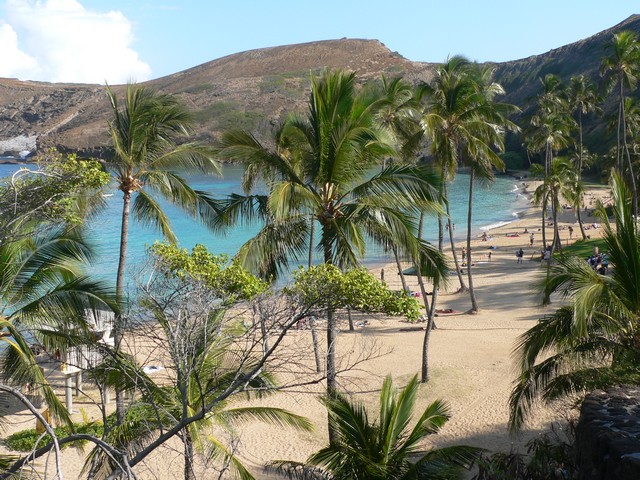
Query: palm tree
(325, 174)
(622, 69)
(400, 115)
(386, 449)
(465, 124)
(593, 341)
(144, 131)
(583, 99)
(448, 106)
(45, 295)
(561, 182)
(485, 133)
(551, 132)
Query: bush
(25, 440)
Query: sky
(116, 41)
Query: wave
(494, 225)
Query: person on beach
(520, 254)
(531, 240)
(570, 232)
(464, 254)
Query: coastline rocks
(608, 435)
(20, 146)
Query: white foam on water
(494, 225)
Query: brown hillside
(254, 89)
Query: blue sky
(93, 41)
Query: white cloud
(61, 41)
(13, 59)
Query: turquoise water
(493, 205)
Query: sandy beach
(470, 359)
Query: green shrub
(271, 84)
(25, 440)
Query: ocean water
(493, 205)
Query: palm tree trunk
(472, 295)
(547, 164)
(189, 474)
(431, 324)
(403, 280)
(332, 336)
(625, 148)
(124, 238)
(557, 244)
(580, 163)
(424, 377)
(580, 222)
(312, 321)
(316, 343)
(428, 311)
(263, 331)
(463, 287)
(544, 217)
(620, 120)
(118, 327)
(417, 265)
(311, 235)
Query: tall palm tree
(621, 70)
(551, 132)
(144, 130)
(466, 124)
(386, 449)
(593, 341)
(485, 137)
(400, 115)
(327, 175)
(583, 99)
(448, 107)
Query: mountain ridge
(255, 89)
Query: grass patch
(583, 248)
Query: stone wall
(608, 435)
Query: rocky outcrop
(608, 435)
(21, 146)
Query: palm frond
(270, 415)
(149, 212)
